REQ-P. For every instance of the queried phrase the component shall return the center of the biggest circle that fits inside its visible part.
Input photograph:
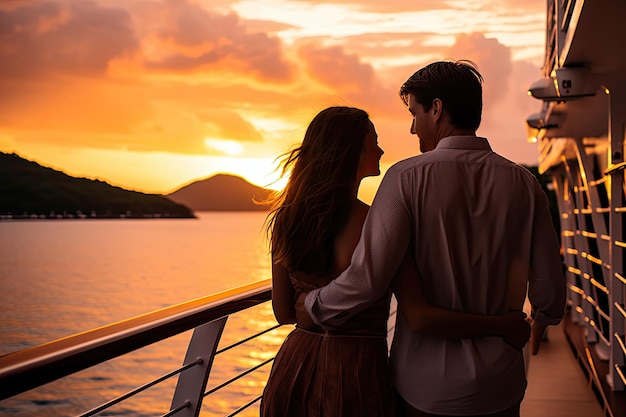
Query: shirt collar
(464, 142)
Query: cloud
(229, 125)
(392, 45)
(505, 102)
(54, 57)
(403, 6)
(166, 75)
(493, 59)
(192, 38)
(266, 26)
(182, 133)
(388, 6)
(69, 76)
(103, 116)
(347, 76)
(337, 69)
(41, 39)
(516, 6)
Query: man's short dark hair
(458, 85)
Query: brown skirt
(317, 375)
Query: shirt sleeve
(384, 240)
(547, 285)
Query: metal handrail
(30, 368)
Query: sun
(228, 147)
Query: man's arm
(384, 240)
(547, 285)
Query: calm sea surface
(61, 277)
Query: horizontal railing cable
(175, 410)
(137, 390)
(245, 406)
(235, 378)
(240, 342)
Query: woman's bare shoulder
(347, 240)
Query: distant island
(221, 192)
(29, 190)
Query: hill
(29, 190)
(221, 192)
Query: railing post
(576, 202)
(563, 191)
(192, 382)
(617, 133)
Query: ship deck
(566, 379)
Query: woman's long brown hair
(313, 208)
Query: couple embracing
(459, 234)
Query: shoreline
(36, 217)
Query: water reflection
(58, 278)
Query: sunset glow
(228, 147)
(151, 95)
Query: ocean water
(61, 277)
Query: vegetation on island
(29, 191)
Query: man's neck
(455, 132)
(461, 132)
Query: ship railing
(592, 205)
(211, 352)
(588, 177)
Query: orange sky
(152, 94)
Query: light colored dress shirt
(480, 230)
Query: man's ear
(437, 108)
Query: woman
(314, 225)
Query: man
(479, 229)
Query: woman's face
(369, 163)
